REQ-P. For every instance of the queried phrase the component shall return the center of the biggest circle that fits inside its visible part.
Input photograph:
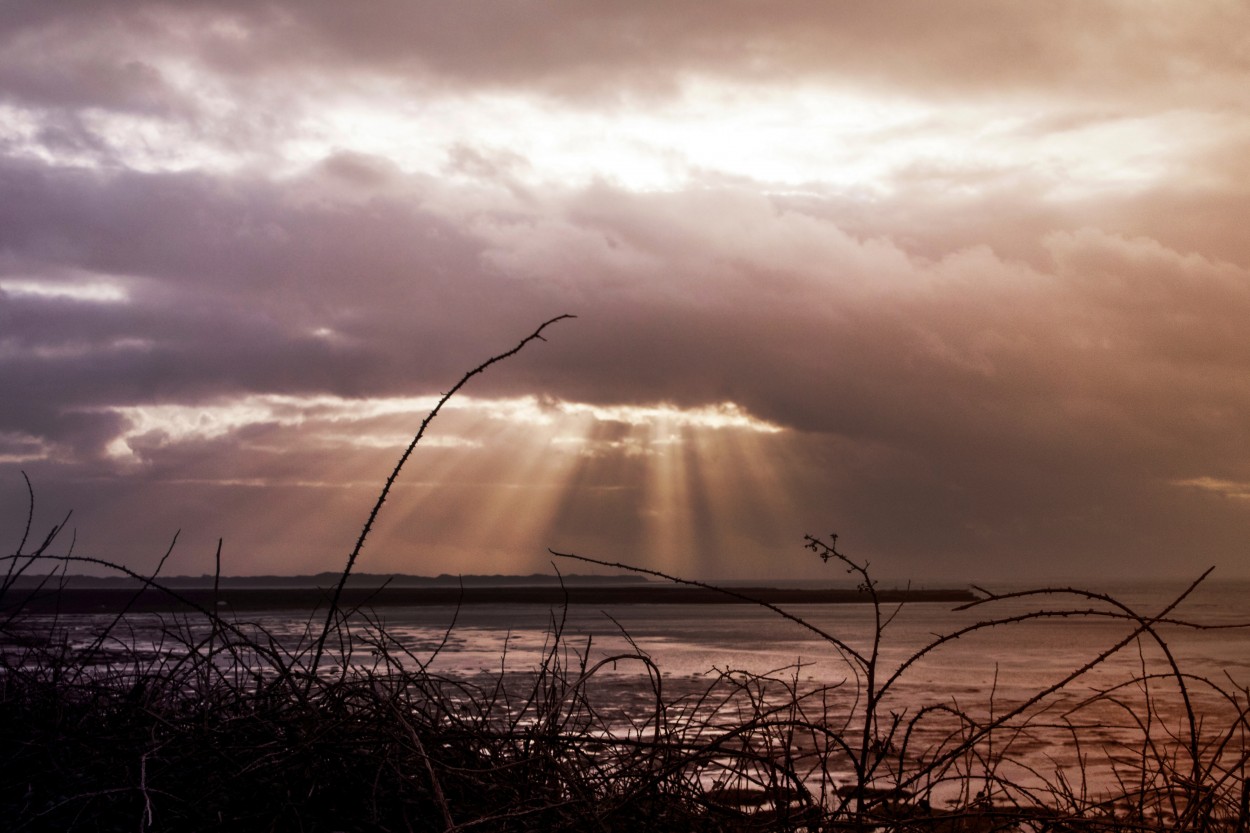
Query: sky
(967, 283)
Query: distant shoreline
(329, 579)
(108, 600)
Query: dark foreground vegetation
(203, 721)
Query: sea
(1087, 683)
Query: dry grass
(200, 722)
(205, 722)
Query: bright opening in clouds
(965, 282)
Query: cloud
(967, 282)
(987, 396)
(568, 48)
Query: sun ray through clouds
(241, 244)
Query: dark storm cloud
(975, 371)
(70, 61)
(1090, 49)
(989, 388)
(217, 272)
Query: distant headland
(329, 579)
(86, 594)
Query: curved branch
(537, 335)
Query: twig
(537, 335)
(439, 798)
(825, 635)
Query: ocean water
(1109, 703)
(1101, 703)
(1009, 659)
(1095, 696)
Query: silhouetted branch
(537, 335)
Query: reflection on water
(981, 675)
